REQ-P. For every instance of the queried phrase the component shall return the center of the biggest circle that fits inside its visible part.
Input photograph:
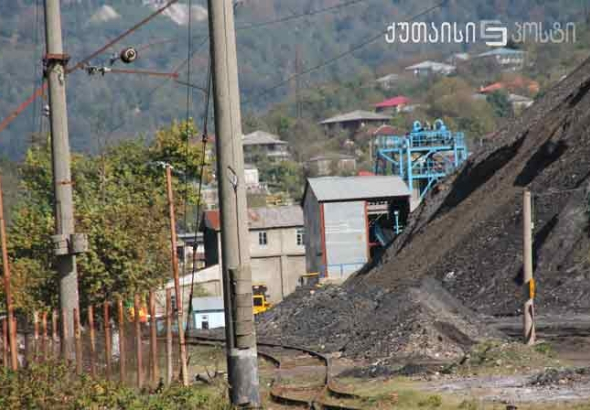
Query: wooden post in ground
(122, 353)
(136, 308)
(169, 366)
(4, 343)
(35, 336)
(54, 335)
(7, 290)
(153, 340)
(177, 290)
(529, 281)
(78, 341)
(92, 341)
(107, 340)
(44, 337)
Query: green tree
(120, 203)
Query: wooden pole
(78, 340)
(107, 340)
(4, 343)
(44, 338)
(122, 353)
(153, 340)
(35, 335)
(136, 307)
(529, 281)
(55, 335)
(92, 341)
(177, 290)
(169, 366)
(7, 290)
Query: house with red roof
(392, 105)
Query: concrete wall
(313, 233)
(216, 319)
(279, 264)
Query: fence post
(153, 340)
(4, 343)
(122, 353)
(78, 339)
(169, 367)
(107, 340)
(92, 341)
(44, 339)
(35, 335)
(55, 336)
(136, 307)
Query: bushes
(53, 386)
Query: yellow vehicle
(259, 299)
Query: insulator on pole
(128, 55)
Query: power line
(311, 13)
(350, 51)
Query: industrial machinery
(260, 299)
(421, 157)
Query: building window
(300, 237)
(262, 239)
(205, 322)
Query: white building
(427, 68)
(208, 313)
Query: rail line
(313, 396)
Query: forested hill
(110, 107)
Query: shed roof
(261, 138)
(358, 115)
(262, 218)
(356, 188)
(207, 303)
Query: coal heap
(468, 236)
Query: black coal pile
(424, 321)
(468, 236)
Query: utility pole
(529, 281)
(66, 243)
(6, 273)
(177, 290)
(240, 332)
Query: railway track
(321, 394)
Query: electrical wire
(247, 26)
(346, 53)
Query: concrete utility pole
(66, 243)
(529, 282)
(237, 277)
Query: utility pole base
(243, 373)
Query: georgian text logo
(493, 32)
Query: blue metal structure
(422, 157)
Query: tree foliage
(120, 202)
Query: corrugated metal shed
(262, 218)
(356, 188)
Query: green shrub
(53, 386)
